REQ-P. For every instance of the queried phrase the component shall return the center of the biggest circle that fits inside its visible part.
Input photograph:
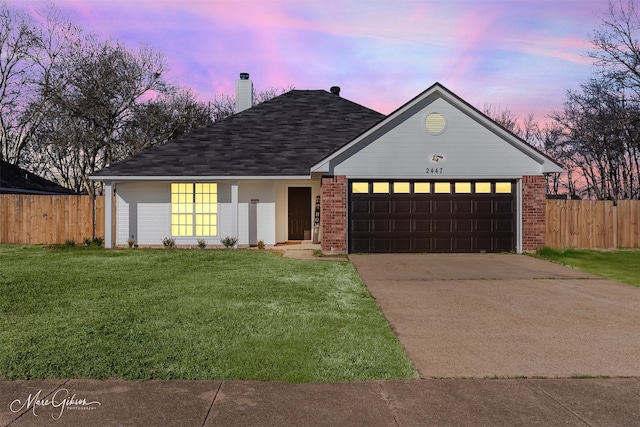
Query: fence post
(614, 214)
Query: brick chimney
(244, 93)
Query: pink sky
(516, 54)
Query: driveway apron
(505, 315)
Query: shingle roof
(14, 179)
(284, 136)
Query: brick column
(533, 212)
(333, 215)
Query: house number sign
(434, 170)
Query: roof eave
(112, 178)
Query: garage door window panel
(360, 187)
(422, 188)
(483, 188)
(503, 188)
(442, 187)
(462, 187)
(401, 188)
(381, 187)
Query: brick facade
(333, 215)
(533, 212)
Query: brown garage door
(432, 216)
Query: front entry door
(299, 212)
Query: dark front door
(299, 212)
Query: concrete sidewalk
(459, 402)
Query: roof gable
(471, 145)
(280, 137)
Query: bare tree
(598, 131)
(159, 120)
(29, 50)
(93, 94)
(616, 50)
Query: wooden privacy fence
(33, 219)
(591, 224)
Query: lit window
(483, 187)
(463, 187)
(381, 187)
(401, 187)
(360, 187)
(503, 187)
(422, 187)
(194, 209)
(442, 187)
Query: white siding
(257, 221)
(142, 211)
(469, 149)
(122, 216)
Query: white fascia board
(438, 177)
(195, 178)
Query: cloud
(381, 52)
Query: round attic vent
(435, 123)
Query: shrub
(229, 242)
(87, 241)
(98, 241)
(169, 242)
(202, 243)
(70, 242)
(260, 244)
(131, 241)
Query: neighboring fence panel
(33, 219)
(593, 224)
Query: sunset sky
(518, 54)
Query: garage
(440, 216)
(436, 175)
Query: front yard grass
(189, 314)
(620, 265)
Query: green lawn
(620, 265)
(189, 314)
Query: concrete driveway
(486, 315)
